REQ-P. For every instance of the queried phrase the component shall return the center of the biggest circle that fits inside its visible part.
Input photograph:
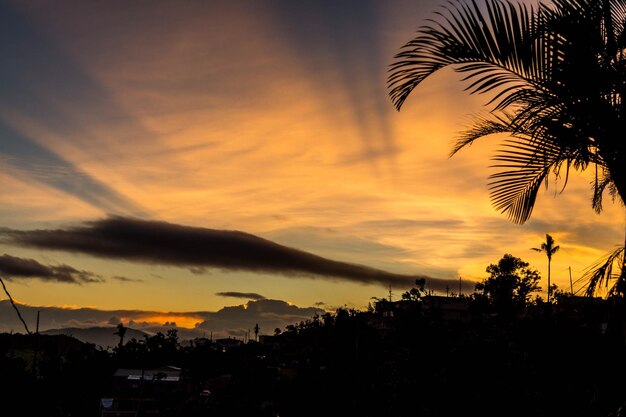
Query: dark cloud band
(12, 268)
(196, 248)
(246, 295)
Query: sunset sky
(189, 120)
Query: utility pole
(460, 287)
(390, 294)
(447, 290)
(571, 285)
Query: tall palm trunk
(549, 287)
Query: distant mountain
(230, 321)
(100, 336)
(105, 337)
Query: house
(125, 379)
(386, 313)
(446, 308)
(228, 343)
(139, 391)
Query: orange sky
(264, 117)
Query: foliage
(530, 63)
(510, 285)
(602, 275)
(153, 351)
(121, 332)
(416, 292)
(549, 249)
(341, 363)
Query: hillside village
(421, 355)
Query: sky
(199, 156)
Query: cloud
(228, 321)
(360, 243)
(62, 317)
(322, 36)
(189, 247)
(235, 294)
(28, 94)
(20, 268)
(126, 279)
(268, 314)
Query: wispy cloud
(29, 96)
(324, 36)
(126, 279)
(13, 268)
(236, 294)
(194, 247)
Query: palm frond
(554, 79)
(485, 125)
(602, 274)
(527, 164)
(602, 182)
(494, 49)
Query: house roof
(164, 374)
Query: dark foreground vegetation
(497, 352)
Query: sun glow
(165, 319)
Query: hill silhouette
(99, 336)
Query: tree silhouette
(554, 77)
(19, 315)
(121, 332)
(510, 284)
(549, 249)
(415, 293)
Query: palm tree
(121, 332)
(555, 80)
(549, 249)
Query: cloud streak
(189, 247)
(236, 294)
(30, 94)
(13, 268)
(126, 279)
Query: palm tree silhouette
(555, 80)
(549, 249)
(121, 332)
